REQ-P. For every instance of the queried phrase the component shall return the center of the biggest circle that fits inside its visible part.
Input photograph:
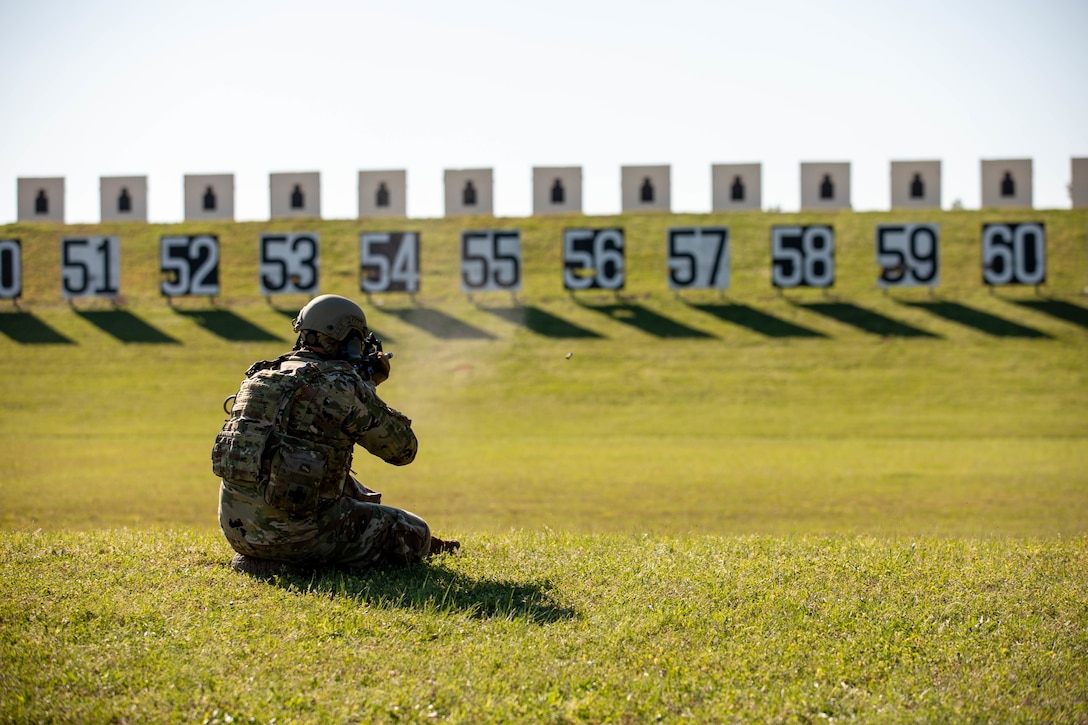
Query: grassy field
(127, 626)
(738, 507)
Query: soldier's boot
(444, 546)
(266, 567)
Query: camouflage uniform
(302, 505)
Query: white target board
(736, 187)
(294, 194)
(389, 262)
(290, 263)
(469, 191)
(698, 258)
(123, 198)
(189, 265)
(40, 200)
(491, 261)
(1014, 254)
(90, 267)
(11, 269)
(383, 193)
(907, 255)
(1078, 188)
(803, 256)
(593, 259)
(209, 196)
(1007, 183)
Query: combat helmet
(332, 315)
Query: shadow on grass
(648, 321)
(431, 586)
(289, 313)
(1065, 311)
(229, 326)
(125, 326)
(981, 321)
(24, 327)
(541, 322)
(865, 320)
(439, 324)
(757, 321)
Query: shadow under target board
(758, 321)
(979, 320)
(439, 324)
(229, 326)
(1060, 309)
(126, 327)
(865, 320)
(648, 321)
(541, 322)
(28, 329)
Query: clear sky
(94, 88)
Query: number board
(11, 269)
(389, 261)
(1014, 253)
(593, 259)
(290, 263)
(803, 256)
(907, 255)
(189, 265)
(491, 261)
(698, 258)
(90, 267)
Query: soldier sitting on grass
(287, 495)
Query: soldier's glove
(379, 369)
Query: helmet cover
(332, 315)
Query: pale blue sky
(138, 87)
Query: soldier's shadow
(433, 586)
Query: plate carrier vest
(255, 452)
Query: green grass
(801, 506)
(549, 627)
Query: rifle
(364, 357)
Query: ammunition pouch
(294, 477)
(303, 473)
(238, 449)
